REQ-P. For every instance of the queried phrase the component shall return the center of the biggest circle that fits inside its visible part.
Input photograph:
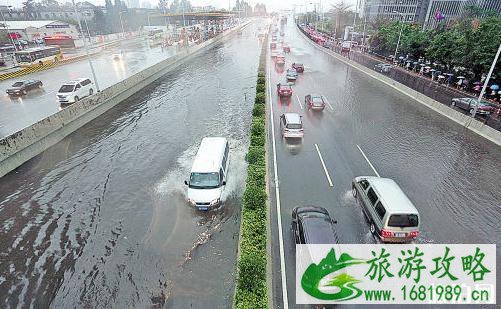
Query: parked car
(291, 125)
(314, 102)
(22, 87)
(382, 67)
(284, 90)
(484, 108)
(299, 67)
(72, 91)
(391, 215)
(2, 61)
(291, 74)
(313, 225)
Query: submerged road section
(100, 219)
(451, 174)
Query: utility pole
(475, 108)
(399, 36)
(85, 46)
(7, 28)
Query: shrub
(256, 174)
(254, 197)
(260, 98)
(261, 80)
(257, 140)
(258, 110)
(256, 155)
(253, 267)
(257, 127)
(260, 87)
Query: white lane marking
(366, 159)
(277, 195)
(325, 168)
(325, 98)
(299, 101)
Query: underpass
(100, 219)
(450, 173)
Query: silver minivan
(390, 213)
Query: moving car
(391, 215)
(208, 173)
(22, 87)
(299, 67)
(291, 125)
(286, 48)
(314, 102)
(382, 67)
(469, 104)
(284, 90)
(313, 225)
(273, 45)
(280, 60)
(291, 74)
(73, 91)
(274, 54)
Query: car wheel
(471, 111)
(40, 85)
(373, 228)
(76, 99)
(453, 103)
(25, 92)
(354, 191)
(91, 91)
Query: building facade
(30, 30)
(444, 11)
(411, 11)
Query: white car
(72, 91)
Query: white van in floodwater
(208, 173)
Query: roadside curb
(464, 120)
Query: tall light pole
(121, 24)
(354, 20)
(475, 108)
(85, 46)
(399, 36)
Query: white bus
(38, 56)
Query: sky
(273, 4)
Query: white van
(208, 173)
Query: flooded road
(100, 219)
(450, 174)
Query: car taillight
(414, 234)
(385, 233)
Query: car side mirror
(224, 183)
(186, 182)
(334, 221)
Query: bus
(38, 56)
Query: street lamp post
(7, 28)
(399, 36)
(121, 24)
(85, 46)
(475, 108)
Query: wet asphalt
(18, 112)
(100, 219)
(451, 174)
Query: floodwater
(100, 219)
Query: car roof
(318, 229)
(209, 155)
(391, 195)
(75, 81)
(292, 118)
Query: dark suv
(313, 225)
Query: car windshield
(204, 180)
(66, 88)
(18, 84)
(294, 126)
(317, 100)
(318, 230)
(407, 220)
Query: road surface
(19, 112)
(451, 174)
(100, 219)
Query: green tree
(341, 15)
(448, 47)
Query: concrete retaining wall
(31, 141)
(460, 118)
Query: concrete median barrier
(31, 141)
(464, 120)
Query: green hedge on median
(251, 288)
